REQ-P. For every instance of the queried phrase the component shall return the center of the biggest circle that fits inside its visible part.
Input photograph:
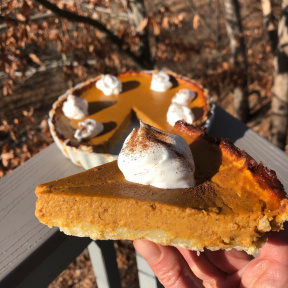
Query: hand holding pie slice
(234, 203)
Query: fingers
(168, 265)
(202, 267)
(269, 268)
(264, 273)
(276, 247)
(217, 268)
(229, 261)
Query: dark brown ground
(80, 272)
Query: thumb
(276, 247)
(168, 265)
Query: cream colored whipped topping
(160, 82)
(184, 97)
(109, 84)
(75, 107)
(150, 156)
(179, 112)
(88, 128)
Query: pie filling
(123, 217)
(203, 216)
(115, 111)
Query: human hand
(182, 268)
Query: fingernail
(148, 250)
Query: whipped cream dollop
(160, 82)
(88, 128)
(179, 112)
(150, 156)
(109, 84)
(184, 97)
(75, 107)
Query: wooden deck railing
(32, 255)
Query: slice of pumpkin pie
(216, 197)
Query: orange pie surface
(235, 203)
(116, 111)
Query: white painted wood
(98, 265)
(22, 234)
(103, 258)
(146, 276)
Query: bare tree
(279, 118)
(270, 24)
(238, 50)
(140, 18)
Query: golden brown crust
(266, 177)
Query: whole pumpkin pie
(235, 202)
(119, 112)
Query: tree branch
(32, 18)
(98, 25)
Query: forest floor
(187, 50)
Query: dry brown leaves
(77, 42)
(20, 139)
(79, 274)
(35, 59)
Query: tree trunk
(279, 117)
(238, 50)
(270, 25)
(139, 16)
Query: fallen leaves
(10, 129)
(35, 59)
(196, 22)
(7, 87)
(26, 9)
(21, 139)
(6, 155)
(142, 25)
(78, 274)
